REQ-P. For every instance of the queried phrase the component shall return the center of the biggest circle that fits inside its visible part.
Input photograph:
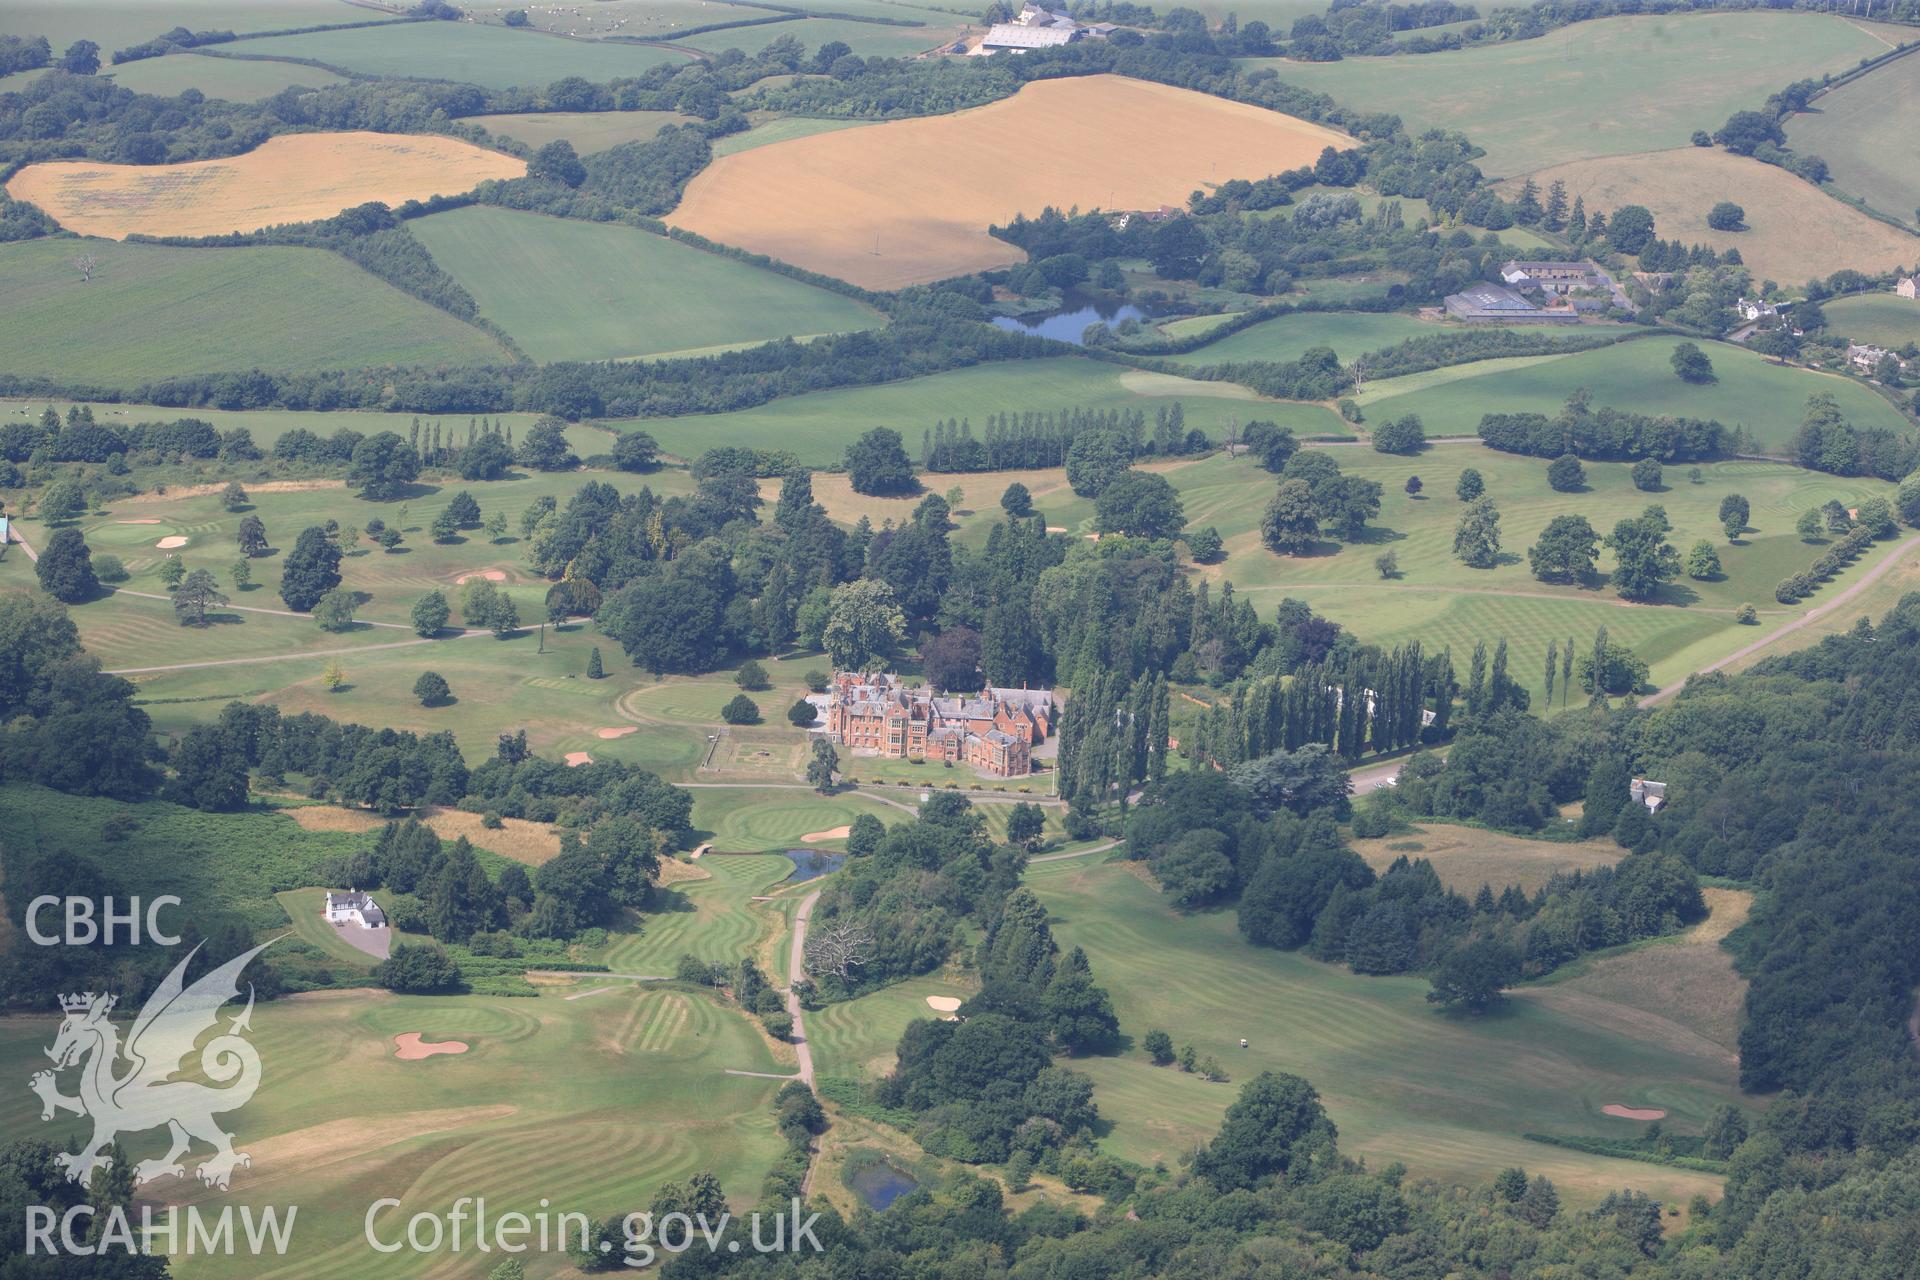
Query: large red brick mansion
(995, 731)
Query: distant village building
(1651, 794)
(353, 907)
(1033, 15)
(1755, 309)
(1909, 287)
(1866, 357)
(1497, 304)
(1011, 37)
(1037, 28)
(994, 731)
(1559, 278)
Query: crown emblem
(82, 1002)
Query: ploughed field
(910, 201)
(291, 178)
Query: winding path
(1076, 853)
(796, 971)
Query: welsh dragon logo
(141, 1094)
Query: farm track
(1867, 579)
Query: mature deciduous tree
(1476, 539)
(196, 594)
(1567, 550)
(1291, 523)
(864, 625)
(65, 567)
(877, 464)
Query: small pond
(810, 864)
(1069, 322)
(880, 1184)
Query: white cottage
(354, 907)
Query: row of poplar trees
(1348, 710)
(1115, 734)
(1021, 441)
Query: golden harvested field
(1794, 231)
(910, 201)
(1467, 857)
(292, 178)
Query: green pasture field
(588, 131)
(493, 57)
(152, 311)
(234, 79)
(1449, 1095)
(587, 291)
(1349, 333)
(1609, 87)
(1884, 319)
(589, 1104)
(1349, 288)
(818, 427)
(1856, 129)
(933, 14)
(628, 19)
(780, 129)
(1440, 601)
(1768, 399)
(268, 425)
(115, 24)
(866, 39)
(1190, 326)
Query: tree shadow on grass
(1672, 594)
(1376, 534)
(664, 901)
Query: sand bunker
(411, 1048)
(831, 833)
(292, 178)
(945, 1004)
(1056, 528)
(141, 520)
(170, 542)
(491, 575)
(1633, 1113)
(577, 758)
(616, 733)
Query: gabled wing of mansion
(994, 731)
